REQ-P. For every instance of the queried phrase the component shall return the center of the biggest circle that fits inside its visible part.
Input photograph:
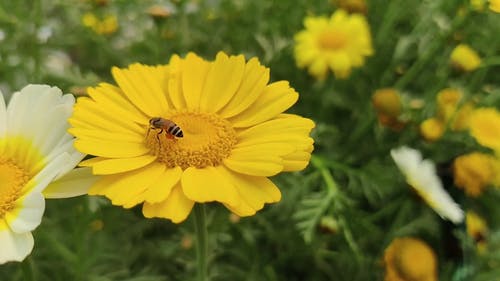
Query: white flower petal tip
(75, 183)
(421, 175)
(15, 247)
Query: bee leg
(158, 138)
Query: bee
(165, 125)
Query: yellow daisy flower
(410, 259)
(465, 58)
(105, 26)
(36, 157)
(484, 125)
(234, 135)
(495, 6)
(339, 43)
(422, 177)
(473, 172)
(448, 101)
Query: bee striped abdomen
(175, 130)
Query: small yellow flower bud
(432, 129)
(409, 258)
(465, 58)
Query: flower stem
(200, 227)
(27, 270)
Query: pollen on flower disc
(208, 139)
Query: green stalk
(200, 227)
(27, 270)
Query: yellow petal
(276, 98)
(119, 165)
(143, 86)
(223, 79)
(193, 79)
(242, 210)
(126, 189)
(284, 124)
(161, 189)
(275, 149)
(175, 94)
(115, 101)
(95, 117)
(111, 149)
(255, 191)
(296, 161)
(176, 207)
(105, 135)
(254, 165)
(91, 161)
(207, 185)
(253, 84)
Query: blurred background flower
(339, 43)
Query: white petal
(28, 213)
(76, 182)
(40, 181)
(15, 247)
(39, 113)
(74, 158)
(23, 107)
(421, 175)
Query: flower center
(12, 180)
(207, 140)
(332, 40)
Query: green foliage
(335, 218)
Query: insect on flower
(162, 124)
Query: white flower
(421, 175)
(36, 162)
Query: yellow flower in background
(388, 106)
(450, 114)
(473, 172)
(105, 26)
(36, 162)
(462, 116)
(234, 135)
(477, 5)
(421, 176)
(484, 125)
(432, 129)
(465, 58)
(495, 6)
(477, 229)
(387, 101)
(339, 43)
(447, 100)
(410, 259)
(159, 11)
